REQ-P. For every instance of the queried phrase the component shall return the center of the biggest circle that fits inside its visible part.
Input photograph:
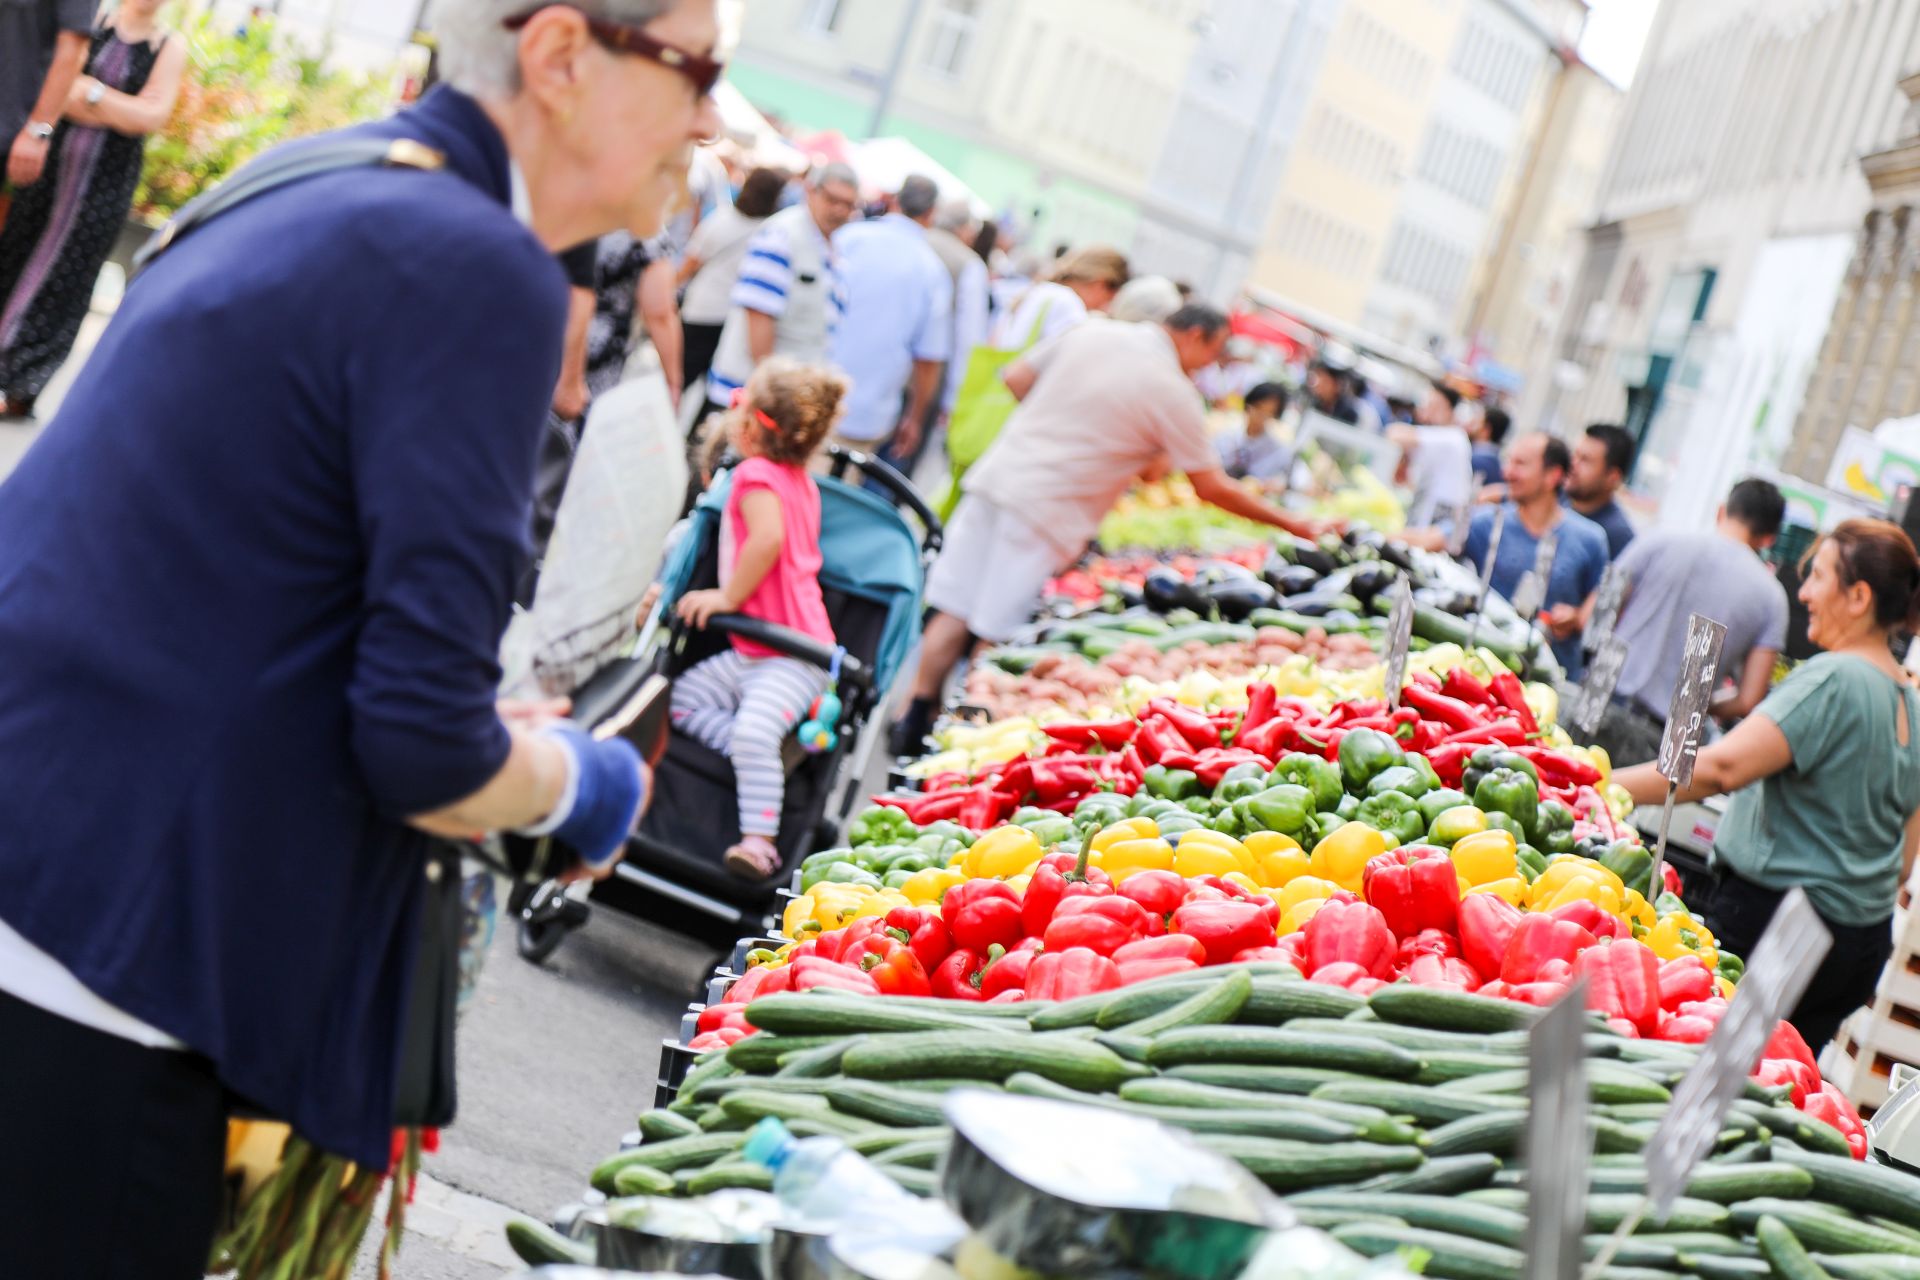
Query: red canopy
(827, 147)
(1269, 330)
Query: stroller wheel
(545, 922)
(518, 898)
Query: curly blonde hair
(805, 402)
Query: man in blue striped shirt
(789, 296)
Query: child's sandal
(753, 861)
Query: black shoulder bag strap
(280, 168)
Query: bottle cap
(769, 1143)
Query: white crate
(1849, 1064)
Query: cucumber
(1789, 1257)
(1209, 1006)
(921, 1182)
(813, 1064)
(1729, 1183)
(1445, 1010)
(1077, 1063)
(1607, 1210)
(1514, 1198)
(1266, 1122)
(940, 1004)
(639, 1180)
(660, 1124)
(535, 1243)
(746, 1174)
(1443, 1175)
(1428, 1106)
(872, 1144)
(1418, 1039)
(1327, 1219)
(1610, 1137)
(1298, 1081)
(1450, 1257)
(1085, 1010)
(1632, 1253)
(1822, 1229)
(1710, 1266)
(676, 1153)
(922, 1153)
(1605, 1085)
(1142, 1000)
(807, 1013)
(1496, 1133)
(1279, 1047)
(757, 1104)
(708, 1067)
(1276, 1000)
(1371, 1123)
(715, 1120)
(1862, 1187)
(1698, 1243)
(714, 1091)
(885, 1104)
(1442, 1066)
(1129, 1046)
(759, 1054)
(1870, 1266)
(1297, 1166)
(1429, 1213)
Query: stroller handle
(888, 477)
(784, 639)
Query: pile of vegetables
(1168, 516)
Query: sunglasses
(701, 72)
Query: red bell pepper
(1451, 712)
(1254, 955)
(1160, 893)
(725, 1014)
(1786, 1042)
(958, 977)
(1790, 1072)
(980, 913)
(1006, 970)
(923, 932)
(1487, 926)
(1295, 947)
(1461, 683)
(1536, 940)
(1685, 1029)
(1427, 942)
(1100, 924)
(1061, 876)
(1013, 996)
(1621, 1027)
(1538, 994)
(812, 971)
(1429, 970)
(1224, 928)
(1156, 957)
(1350, 931)
(1507, 690)
(1069, 974)
(1555, 970)
(1831, 1106)
(1623, 981)
(1349, 975)
(1593, 918)
(1415, 888)
(1684, 979)
(894, 969)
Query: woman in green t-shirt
(1827, 771)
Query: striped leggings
(745, 708)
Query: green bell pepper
(1435, 803)
(1028, 813)
(1171, 784)
(1553, 827)
(839, 873)
(1348, 806)
(1252, 780)
(1532, 862)
(1394, 813)
(1365, 754)
(1051, 829)
(911, 860)
(1669, 904)
(1497, 821)
(1594, 847)
(881, 825)
(1510, 792)
(896, 879)
(1401, 778)
(1487, 759)
(1731, 967)
(1205, 806)
(1284, 808)
(1177, 822)
(954, 834)
(1418, 763)
(1632, 862)
(1316, 773)
(1227, 823)
(1319, 828)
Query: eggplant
(1292, 579)
(1292, 550)
(1222, 571)
(1164, 590)
(1236, 598)
(1315, 604)
(1369, 580)
(1445, 599)
(1124, 594)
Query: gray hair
(479, 56)
(838, 171)
(1145, 298)
(954, 214)
(917, 196)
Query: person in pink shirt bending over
(744, 701)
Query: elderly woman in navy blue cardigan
(253, 581)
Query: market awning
(884, 163)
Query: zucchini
(1266, 1122)
(1607, 1210)
(1298, 1081)
(535, 1243)
(1077, 1063)
(1297, 1166)
(660, 1124)
(1865, 1188)
(759, 1054)
(1371, 1123)
(1496, 1133)
(1445, 1010)
(1209, 1006)
(1450, 1257)
(676, 1153)
(1280, 1047)
(747, 1174)
(1428, 1106)
(1789, 1257)
(885, 1104)
(1442, 1066)
(806, 1013)
(639, 1180)
(1429, 1213)
(1442, 1175)
(1822, 1229)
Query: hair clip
(740, 398)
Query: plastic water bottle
(820, 1180)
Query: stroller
(873, 567)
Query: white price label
(1399, 638)
(1558, 1142)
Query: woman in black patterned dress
(61, 228)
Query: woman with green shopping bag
(1083, 281)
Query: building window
(952, 35)
(822, 17)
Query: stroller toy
(820, 731)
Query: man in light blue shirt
(896, 334)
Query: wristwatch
(39, 130)
(96, 92)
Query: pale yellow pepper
(926, 888)
(1125, 829)
(1486, 856)
(1512, 890)
(1297, 915)
(1342, 857)
(1002, 852)
(1566, 867)
(1131, 856)
(1305, 889)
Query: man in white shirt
(789, 298)
(1436, 461)
(897, 331)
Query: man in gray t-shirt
(1671, 576)
(43, 45)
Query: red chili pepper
(1357, 709)
(1061, 876)
(1263, 704)
(1265, 738)
(1006, 970)
(1487, 926)
(1683, 980)
(958, 977)
(1623, 981)
(1451, 712)
(1224, 928)
(1593, 918)
(1427, 942)
(1179, 758)
(984, 807)
(1213, 765)
(1192, 725)
(1159, 892)
(924, 932)
(1017, 778)
(1443, 971)
(1101, 925)
(1111, 734)
(980, 913)
(1128, 764)
(1786, 1042)
(1561, 770)
(1067, 975)
(1506, 690)
(1507, 733)
(1323, 742)
(812, 971)
(1054, 780)
(1350, 931)
(1463, 685)
(1538, 939)
(1449, 762)
(928, 806)
(1774, 1072)
(1415, 888)
(1426, 680)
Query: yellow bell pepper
(1305, 889)
(1486, 856)
(1724, 986)
(1681, 935)
(957, 858)
(1129, 856)
(1020, 882)
(1566, 866)
(1215, 839)
(1125, 829)
(1197, 859)
(1297, 915)
(1002, 852)
(1638, 910)
(1276, 858)
(926, 888)
(1244, 880)
(827, 906)
(1342, 856)
(1577, 889)
(1512, 890)
(878, 903)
